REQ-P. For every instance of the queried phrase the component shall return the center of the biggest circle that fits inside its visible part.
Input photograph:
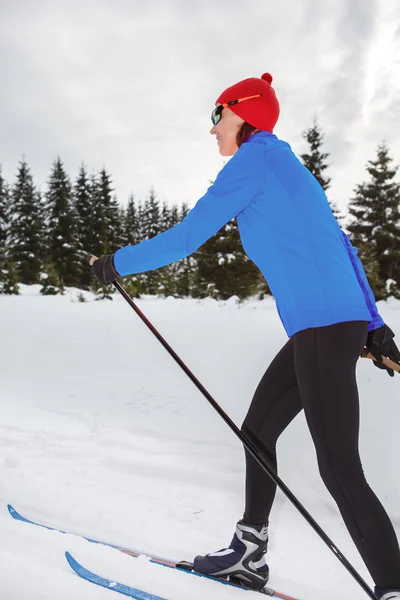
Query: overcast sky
(130, 84)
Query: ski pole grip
(386, 361)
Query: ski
(139, 594)
(126, 590)
(134, 553)
(182, 566)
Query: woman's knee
(248, 429)
(341, 478)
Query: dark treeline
(47, 237)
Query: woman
(326, 306)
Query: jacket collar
(261, 134)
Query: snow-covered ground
(102, 434)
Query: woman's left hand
(380, 343)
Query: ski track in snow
(103, 435)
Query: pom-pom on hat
(261, 112)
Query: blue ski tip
(126, 590)
(72, 562)
(15, 514)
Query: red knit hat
(261, 112)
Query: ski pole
(386, 361)
(252, 449)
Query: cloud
(131, 85)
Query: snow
(222, 258)
(103, 435)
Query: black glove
(103, 268)
(380, 343)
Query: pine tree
(223, 269)
(112, 225)
(97, 235)
(122, 237)
(208, 278)
(170, 275)
(132, 286)
(150, 227)
(82, 200)
(4, 216)
(220, 269)
(132, 233)
(107, 227)
(375, 226)
(164, 220)
(366, 253)
(174, 217)
(315, 161)
(51, 284)
(25, 249)
(131, 237)
(8, 272)
(139, 235)
(103, 292)
(61, 226)
(186, 278)
(150, 218)
(9, 279)
(239, 275)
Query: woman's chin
(226, 152)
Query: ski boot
(243, 562)
(387, 594)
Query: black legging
(315, 370)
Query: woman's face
(226, 131)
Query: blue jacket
(287, 229)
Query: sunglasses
(217, 112)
